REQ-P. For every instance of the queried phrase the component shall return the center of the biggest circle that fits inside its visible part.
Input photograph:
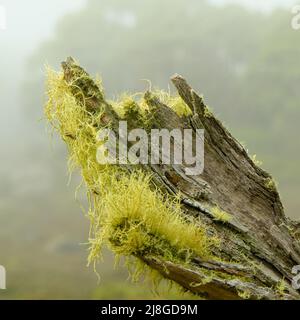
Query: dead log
(258, 244)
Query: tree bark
(261, 242)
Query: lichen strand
(128, 103)
(132, 109)
(136, 220)
(270, 184)
(256, 161)
(220, 215)
(126, 212)
(207, 112)
(174, 102)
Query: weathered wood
(260, 240)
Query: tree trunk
(259, 242)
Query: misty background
(242, 55)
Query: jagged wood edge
(238, 237)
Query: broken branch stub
(233, 201)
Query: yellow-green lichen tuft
(134, 219)
(281, 287)
(179, 106)
(207, 112)
(270, 184)
(174, 102)
(256, 161)
(220, 215)
(127, 213)
(128, 102)
(244, 294)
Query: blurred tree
(127, 42)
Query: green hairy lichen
(174, 102)
(256, 161)
(136, 220)
(207, 112)
(220, 215)
(270, 184)
(127, 213)
(281, 287)
(244, 294)
(128, 103)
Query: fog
(242, 55)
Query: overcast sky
(31, 21)
(28, 22)
(263, 5)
